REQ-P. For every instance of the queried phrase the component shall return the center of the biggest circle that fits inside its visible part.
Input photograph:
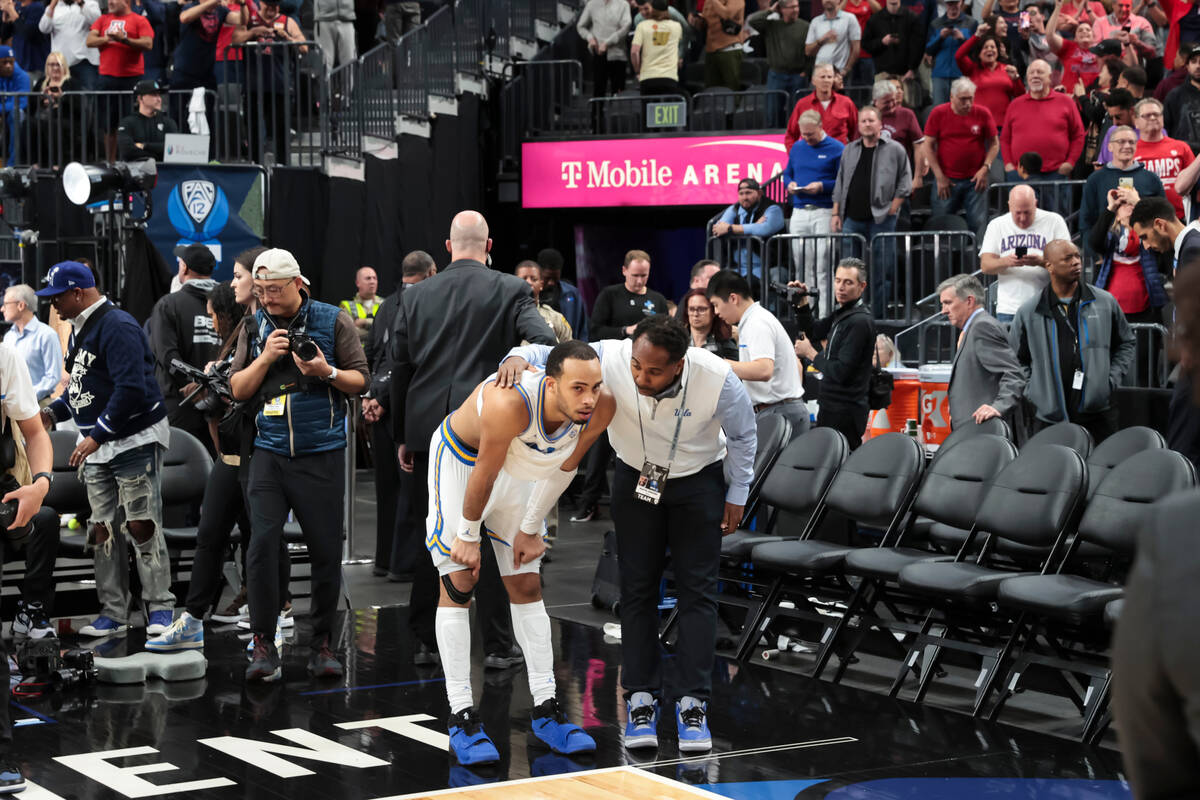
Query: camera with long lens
(304, 346)
(214, 384)
(793, 294)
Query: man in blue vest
(306, 361)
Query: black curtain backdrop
(382, 243)
(298, 218)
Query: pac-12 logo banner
(217, 206)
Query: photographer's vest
(300, 415)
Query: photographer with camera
(307, 362)
(180, 329)
(847, 341)
(21, 506)
(116, 404)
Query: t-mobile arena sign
(677, 171)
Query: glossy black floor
(376, 733)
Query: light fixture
(88, 183)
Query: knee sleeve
(454, 593)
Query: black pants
(652, 86)
(849, 419)
(39, 552)
(607, 75)
(224, 506)
(492, 615)
(387, 483)
(312, 486)
(687, 521)
(595, 480)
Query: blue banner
(220, 206)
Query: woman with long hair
(1130, 272)
(708, 331)
(224, 495)
(981, 58)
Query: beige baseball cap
(277, 264)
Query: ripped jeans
(129, 487)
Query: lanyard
(1066, 315)
(678, 425)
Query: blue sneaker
(641, 723)
(185, 633)
(159, 621)
(11, 779)
(692, 717)
(470, 744)
(551, 726)
(103, 626)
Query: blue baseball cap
(67, 275)
(6, 51)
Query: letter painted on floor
(405, 726)
(315, 748)
(125, 779)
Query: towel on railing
(197, 121)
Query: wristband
(469, 530)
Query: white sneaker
(285, 621)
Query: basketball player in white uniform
(498, 464)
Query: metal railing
(411, 71)
(811, 258)
(1151, 363)
(626, 113)
(907, 267)
(441, 62)
(377, 93)
(539, 99)
(1060, 196)
(748, 110)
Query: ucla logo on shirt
(683, 412)
(648, 306)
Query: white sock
(531, 627)
(453, 628)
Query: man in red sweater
(839, 115)
(1045, 122)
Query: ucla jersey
(535, 453)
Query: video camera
(215, 383)
(42, 661)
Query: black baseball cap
(749, 183)
(148, 87)
(198, 258)
(1107, 47)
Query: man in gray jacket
(985, 378)
(1074, 345)
(873, 181)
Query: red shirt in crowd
(1050, 127)
(961, 139)
(1126, 281)
(901, 126)
(861, 11)
(225, 37)
(993, 88)
(118, 59)
(839, 119)
(1077, 65)
(1166, 159)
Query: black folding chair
(1067, 434)
(1034, 502)
(875, 487)
(951, 491)
(1066, 611)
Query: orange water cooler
(935, 403)
(906, 404)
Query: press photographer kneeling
(307, 360)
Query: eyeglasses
(10, 303)
(1124, 142)
(271, 289)
(1150, 114)
(699, 310)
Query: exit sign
(669, 114)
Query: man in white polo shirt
(1012, 249)
(766, 362)
(675, 487)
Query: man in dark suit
(450, 332)
(395, 527)
(986, 379)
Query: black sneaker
(11, 779)
(31, 621)
(323, 663)
(426, 656)
(585, 513)
(504, 660)
(264, 662)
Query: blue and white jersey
(536, 453)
